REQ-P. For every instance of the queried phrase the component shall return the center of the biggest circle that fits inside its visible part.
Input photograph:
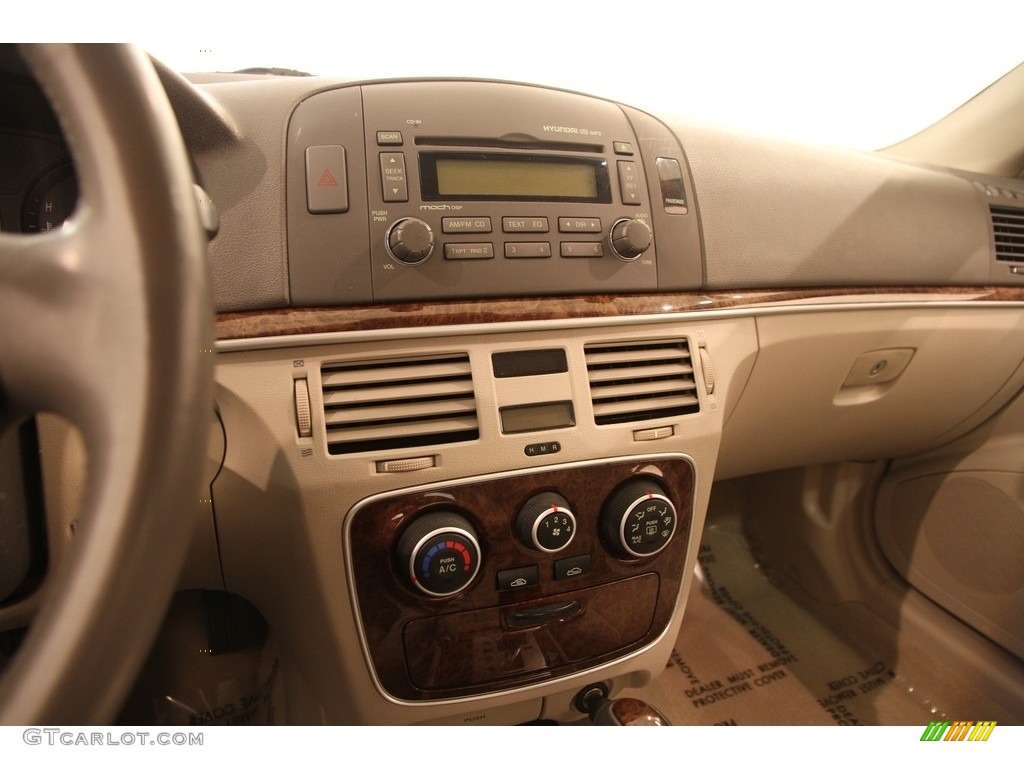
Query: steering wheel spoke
(62, 307)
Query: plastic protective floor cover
(750, 654)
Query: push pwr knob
(439, 554)
(410, 241)
(638, 519)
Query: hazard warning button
(326, 183)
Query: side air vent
(1008, 226)
(638, 381)
(379, 405)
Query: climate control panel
(485, 583)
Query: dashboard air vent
(379, 405)
(1008, 226)
(639, 381)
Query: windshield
(861, 75)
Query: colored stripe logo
(959, 730)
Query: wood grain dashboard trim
(303, 321)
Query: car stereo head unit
(456, 189)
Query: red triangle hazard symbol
(327, 179)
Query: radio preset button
(456, 224)
(527, 250)
(582, 250)
(394, 183)
(574, 224)
(524, 224)
(459, 251)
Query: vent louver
(639, 381)
(378, 405)
(1008, 227)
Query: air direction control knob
(546, 523)
(439, 554)
(630, 238)
(638, 520)
(410, 241)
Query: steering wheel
(109, 323)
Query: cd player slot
(521, 142)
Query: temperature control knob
(638, 520)
(545, 523)
(410, 241)
(439, 554)
(629, 238)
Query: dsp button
(439, 554)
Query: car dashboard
(485, 349)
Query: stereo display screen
(462, 176)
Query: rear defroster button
(571, 567)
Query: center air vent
(380, 405)
(639, 381)
(1008, 227)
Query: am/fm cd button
(455, 224)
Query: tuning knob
(545, 523)
(439, 554)
(629, 238)
(410, 241)
(638, 520)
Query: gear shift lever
(626, 711)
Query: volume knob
(629, 238)
(410, 241)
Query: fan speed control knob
(545, 523)
(630, 238)
(638, 519)
(410, 241)
(439, 554)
